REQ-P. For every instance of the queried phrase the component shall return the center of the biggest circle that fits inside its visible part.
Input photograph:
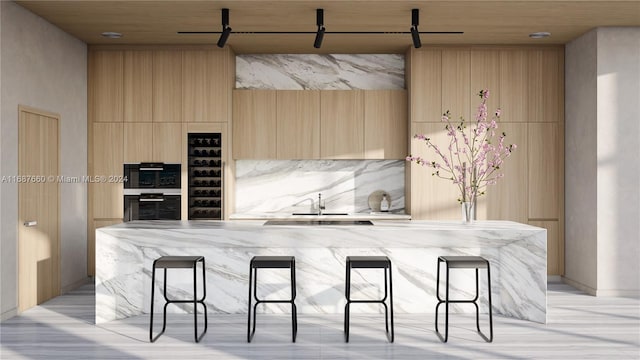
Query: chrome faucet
(320, 204)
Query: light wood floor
(579, 327)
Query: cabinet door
(513, 85)
(544, 170)
(167, 86)
(206, 89)
(167, 143)
(108, 157)
(545, 76)
(385, 124)
(138, 97)
(254, 124)
(105, 86)
(432, 198)
(298, 124)
(138, 142)
(425, 85)
(341, 124)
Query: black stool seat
(271, 262)
(370, 262)
(179, 262)
(463, 262)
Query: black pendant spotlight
(415, 34)
(320, 33)
(226, 30)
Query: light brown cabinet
(342, 124)
(167, 143)
(545, 85)
(513, 85)
(106, 88)
(167, 86)
(254, 124)
(206, 96)
(425, 81)
(298, 124)
(138, 97)
(544, 170)
(385, 124)
(456, 82)
(138, 142)
(107, 159)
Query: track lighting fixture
(415, 34)
(320, 33)
(226, 30)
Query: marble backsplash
(286, 186)
(320, 71)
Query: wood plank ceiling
(483, 22)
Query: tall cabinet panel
(513, 85)
(385, 124)
(456, 79)
(138, 97)
(254, 124)
(298, 124)
(425, 84)
(138, 142)
(342, 124)
(107, 159)
(167, 143)
(167, 86)
(106, 86)
(206, 98)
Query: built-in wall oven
(152, 191)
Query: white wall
(618, 161)
(45, 68)
(580, 160)
(602, 162)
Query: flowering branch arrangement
(473, 159)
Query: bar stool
(179, 262)
(370, 262)
(463, 262)
(271, 262)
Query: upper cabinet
(138, 96)
(106, 86)
(254, 124)
(298, 124)
(385, 124)
(206, 86)
(342, 124)
(167, 86)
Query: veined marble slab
(125, 253)
(290, 216)
(320, 72)
(287, 186)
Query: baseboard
(8, 314)
(554, 279)
(84, 281)
(580, 286)
(602, 292)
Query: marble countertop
(383, 233)
(289, 216)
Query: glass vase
(468, 212)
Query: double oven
(152, 191)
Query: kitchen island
(125, 254)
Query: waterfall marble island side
(125, 254)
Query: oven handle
(151, 200)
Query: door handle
(30, 223)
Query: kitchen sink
(316, 214)
(318, 222)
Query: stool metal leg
(440, 300)
(490, 338)
(348, 304)
(391, 301)
(294, 310)
(196, 302)
(251, 281)
(153, 282)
